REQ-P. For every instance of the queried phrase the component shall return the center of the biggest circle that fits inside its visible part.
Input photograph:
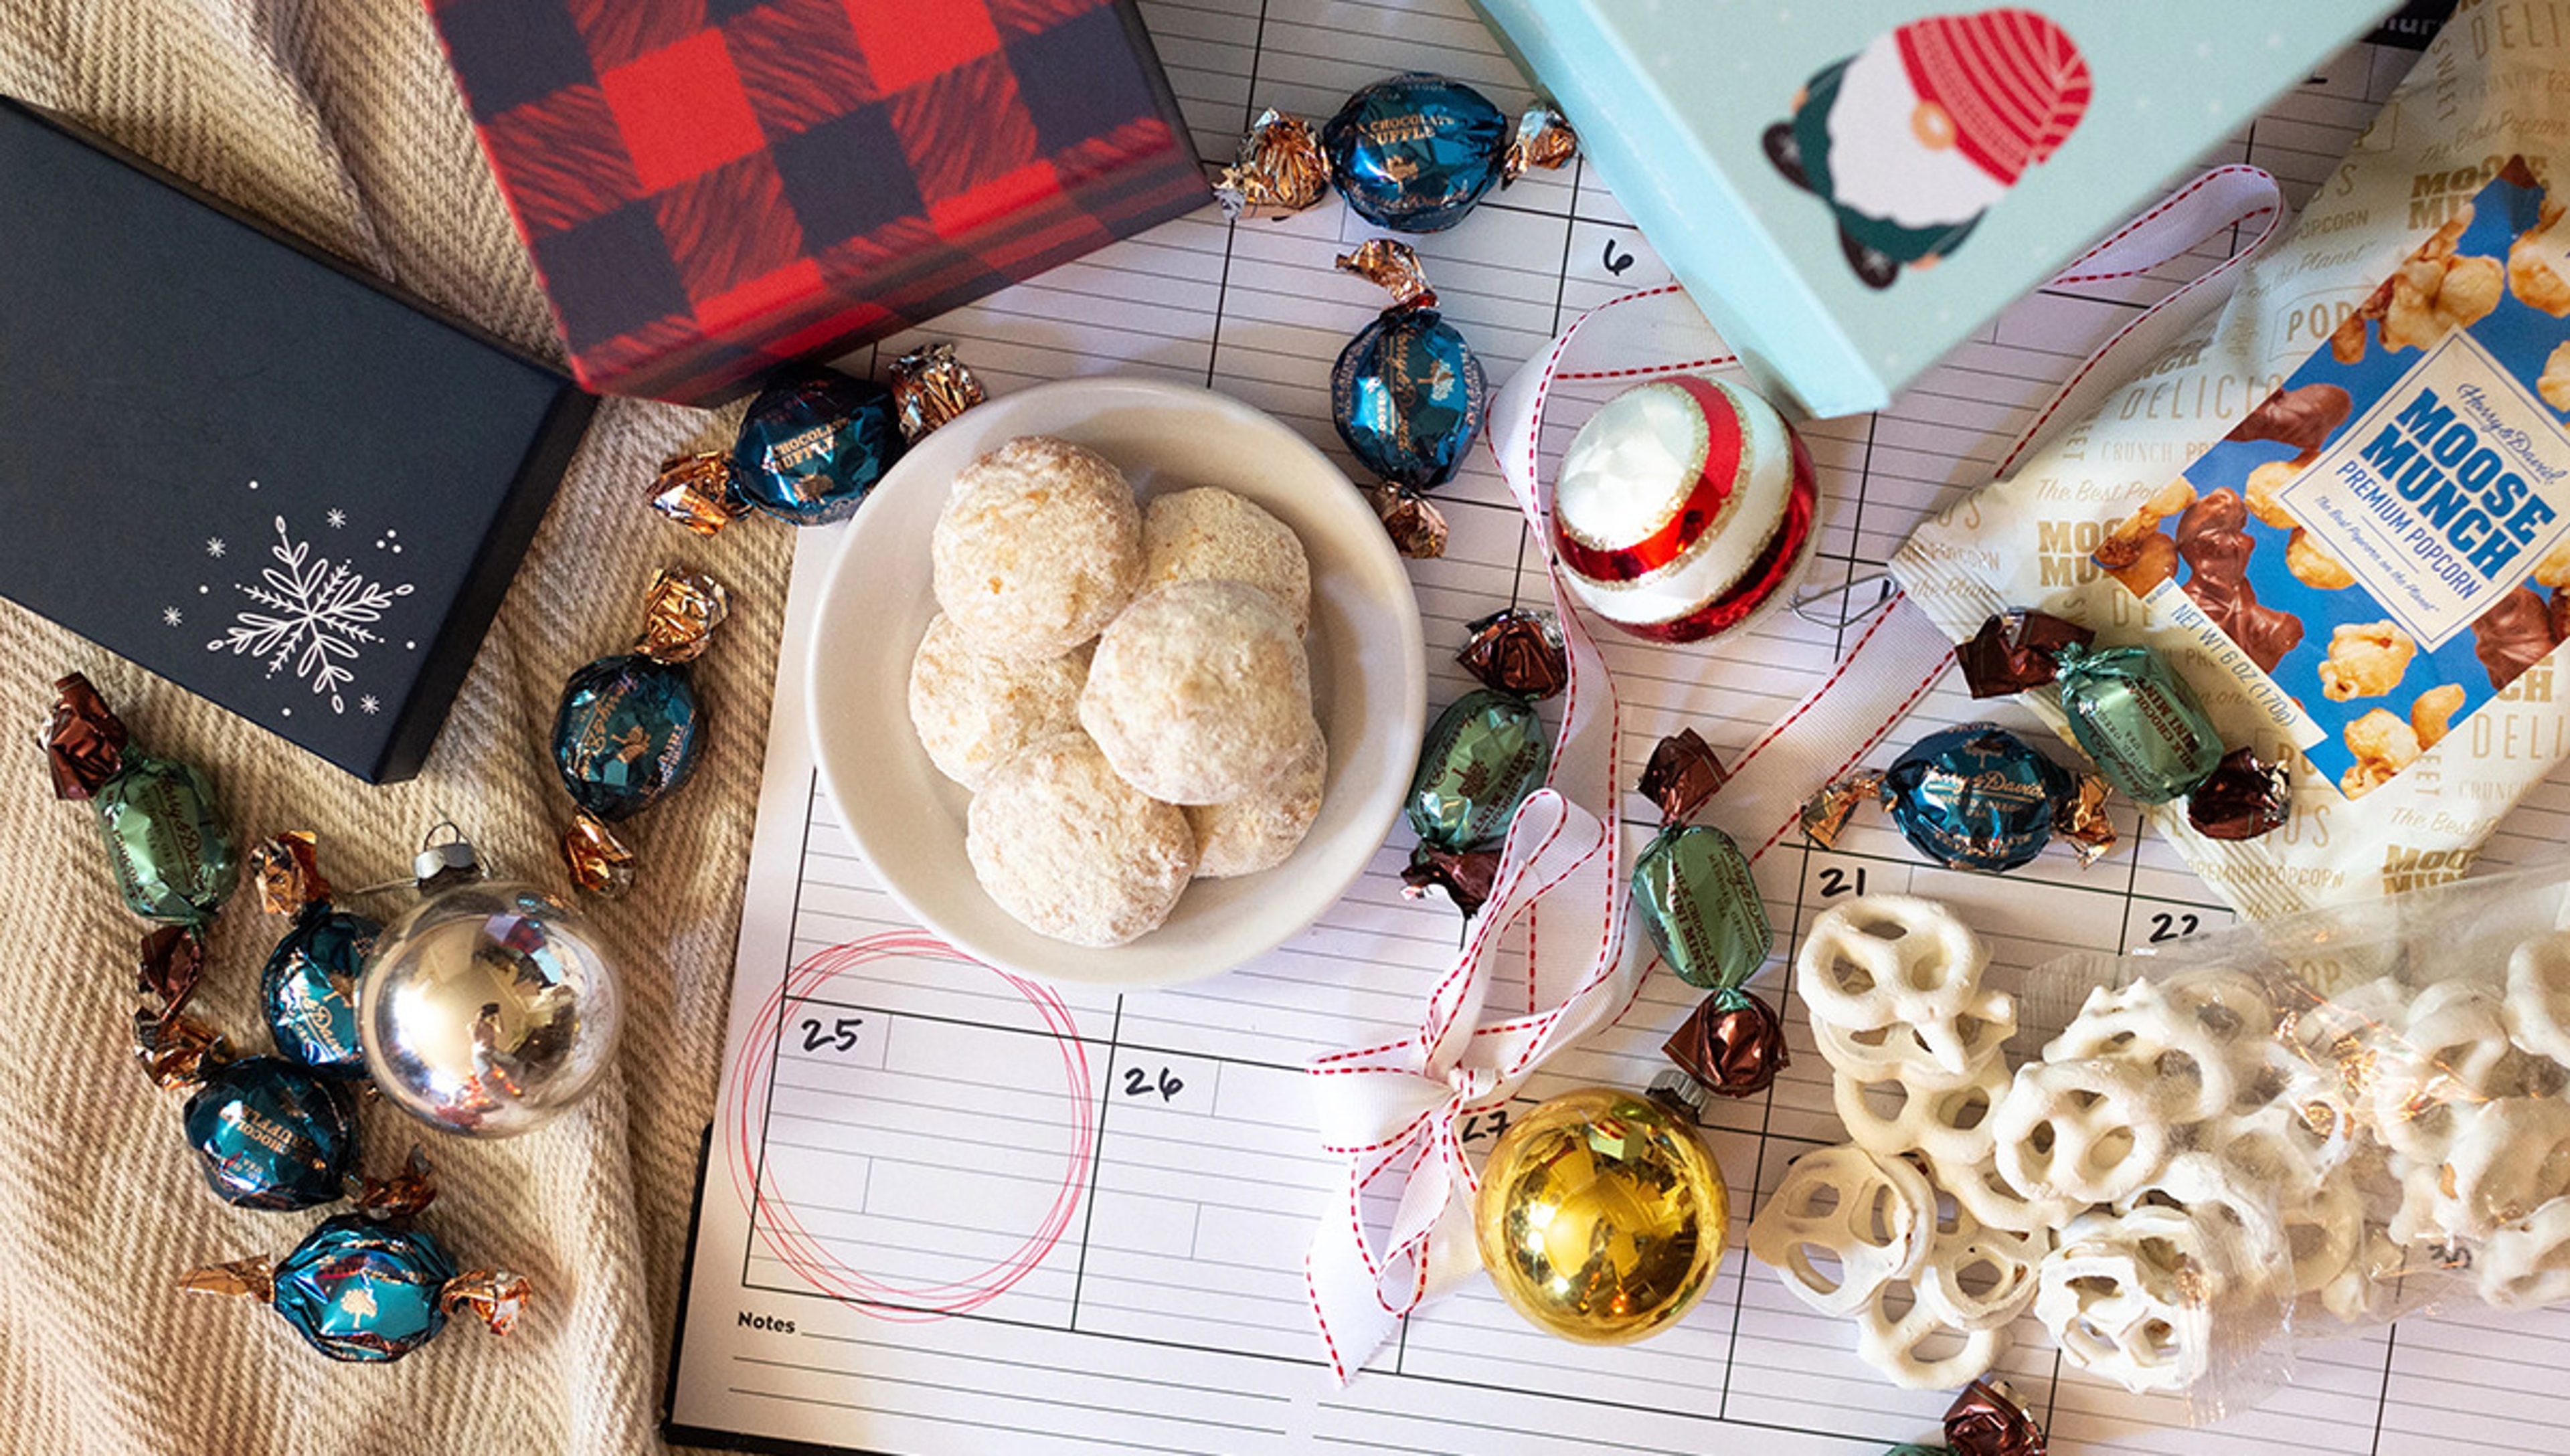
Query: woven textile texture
(338, 119)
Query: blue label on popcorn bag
(2383, 543)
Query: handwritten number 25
(839, 1036)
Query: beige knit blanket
(338, 119)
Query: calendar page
(943, 1210)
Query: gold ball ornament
(1602, 1216)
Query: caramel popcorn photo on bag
(2382, 545)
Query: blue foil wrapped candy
(1414, 152)
(308, 988)
(626, 733)
(367, 1292)
(813, 444)
(1408, 394)
(1975, 797)
(271, 1135)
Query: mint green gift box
(1849, 188)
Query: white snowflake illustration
(337, 518)
(170, 615)
(214, 547)
(316, 617)
(367, 704)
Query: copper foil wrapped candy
(1517, 651)
(626, 733)
(1988, 1419)
(1281, 170)
(931, 386)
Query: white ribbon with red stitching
(1401, 1231)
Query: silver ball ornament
(488, 1009)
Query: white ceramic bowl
(1369, 676)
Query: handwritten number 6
(1616, 265)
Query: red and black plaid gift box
(710, 187)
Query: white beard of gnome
(1890, 160)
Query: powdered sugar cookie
(1212, 535)
(1039, 547)
(1199, 692)
(1072, 851)
(1260, 830)
(974, 712)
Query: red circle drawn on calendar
(776, 1220)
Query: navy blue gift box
(247, 466)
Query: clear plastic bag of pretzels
(2187, 1165)
(2327, 1121)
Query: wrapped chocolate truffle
(931, 386)
(1684, 507)
(813, 443)
(626, 733)
(1516, 651)
(2132, 714)
(308, 988)
(356, 1289)
(1482, 756)
(1412, 153)
(1988, 1419)
(1973, 797)
(1694, 895)
(173, 858)
(1407, 396)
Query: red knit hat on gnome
(2011, 81)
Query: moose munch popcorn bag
(2342, 506)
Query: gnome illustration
(1913, 138)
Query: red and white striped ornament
(1683, 506)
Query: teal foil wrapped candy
(308, 988)
(1408, 395)
(627, 731)
(1414, 152)
(1973, 797)
(2138, 721)
(269, 1134)
(367, 1292)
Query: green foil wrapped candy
(1483, 755)
(173, 858)
(2138, 720)
(1691, 884)
(1700, 906)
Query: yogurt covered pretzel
(1893, 960)
(2094, 1131)
(2130, 1297)
(1875, 1218)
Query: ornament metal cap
(443, 862)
